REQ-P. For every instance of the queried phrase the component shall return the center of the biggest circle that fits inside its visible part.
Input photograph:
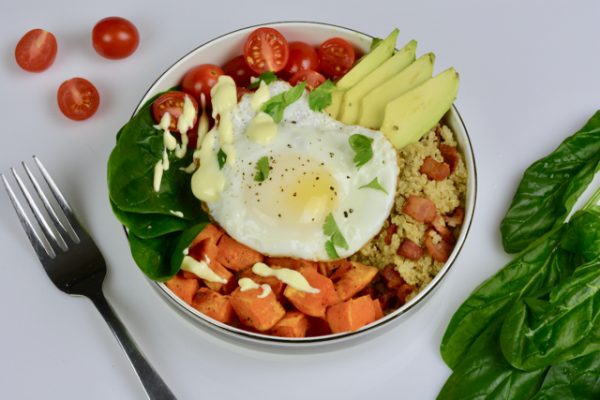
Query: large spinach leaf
(530, 274)
(583, 234)
(550, 187)
(578, 379)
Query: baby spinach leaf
(153, 256)
(583, 234)
(374, 184)
(320, 97)
(266, 77)
(363, 151)
(550, 187)
(276, 105)
(262, 169)
(531, 273)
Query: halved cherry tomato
(36, 50)
(239, 70)
(201, 79)
(302, 57)
(115, 37)
(78, 99)
(336, 57)
(172, 102)
(266, 50)
(312, 78)
(241, 91)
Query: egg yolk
(298, 191)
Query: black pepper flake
(294, 194)
(331, 155)
(351, 211)
(279, 215)
(293, 122)
(289, 146)
(317, 178)
(346, 214)
(313, 220)
(331, 188)
(347, 177)
(322, 163)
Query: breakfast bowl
(223, 48)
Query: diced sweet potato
(291, 263)
(351, 314)
(276, 285)
(318, 327)
(377, 309)
(293, 324)
(329, 268)
(351, 279)
(258, 313)
(205, 243)
(183, 288)
(313, 304)
(224, 273)
(236, 256)
(213, 304)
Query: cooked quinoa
(447, 195)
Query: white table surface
(529, 77)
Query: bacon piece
(450, 155)
(392, 277)
(419, 208)
(435, 170)
(439, 224)
(456, 219)
(390, 231)
(403, 291)
(409, 249)
(439, 251)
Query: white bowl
(220, 50)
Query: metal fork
(75, 265)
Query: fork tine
(60, 199)
(40, 244)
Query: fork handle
(153, 384)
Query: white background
(530, 76)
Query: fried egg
(312, 175)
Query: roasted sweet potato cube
(213, 304)
(330, 268)
(377, 309)
(224, 273)
(276, 285)
(258, 313)
(353, 279)
(291, 263)
(293, 324)
(351, 315)
(236, 256)
(313, 304)
(205, 243)
(183, 288)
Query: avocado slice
(413, 114)
(350, 107)
(372, 106)
(363, 67)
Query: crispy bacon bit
(439, 224)
(435, 170)
(390, 232)
(409, 249)
(439, 251)
(403, 292)
(451, 156)
(419, 208)
(456, 219)
(392, 277)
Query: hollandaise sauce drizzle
(288, 276)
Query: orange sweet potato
(313, 304)
(349, 280)
(377, 309)
(351, 314)
(183, 288)
(205, 243)
(291, 263)
(293, 324)
(236, 256)
(276, 285)
(213, 304)
(258, 313)
(328, 268)
(224, 273)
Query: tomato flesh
(239, 70)
(78, 99)
(115, 37)
(303, 56)
(336, 57)
(36, 50)
(200, 79)
(312, 78)
(266, 50)
(172, 102)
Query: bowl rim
(196, 316)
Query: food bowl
(223, 48)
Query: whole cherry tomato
(302, 57)
(115, 37)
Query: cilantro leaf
(331, 251)
(374, 184)
(262, 169)
(277, 104)
(331, 229)
(221, 158)
(361, 145)
(266, 77)
(374, 43)
(320, 97)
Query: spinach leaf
(530, 274)
(583, 234)
(577, 379)
(183, 242)
(537, 333)
(550, 187)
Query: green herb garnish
(266, 77)
(331, 251)
(262, 169)
(331, 229)
(221, 158)
(320, 97)
(374, 184)
(361, 145)
(277, 104)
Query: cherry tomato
(36, 50)
(241, 91)
(336, 57)
(312, 78)
(266, 50)
(115, 37)
(239, 70)
(78, 99)
(302, 57)
(201, 79)
(172, 102)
